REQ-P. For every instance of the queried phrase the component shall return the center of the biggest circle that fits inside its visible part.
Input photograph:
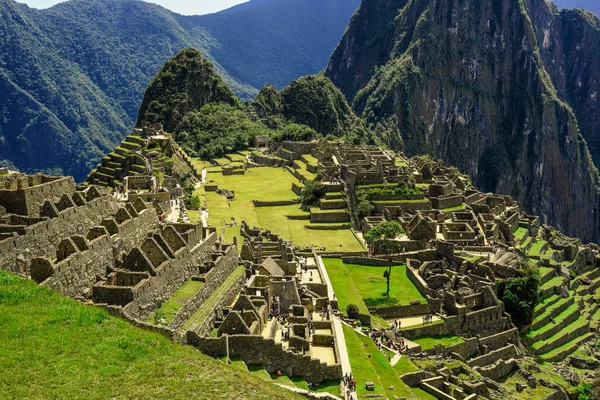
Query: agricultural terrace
(271, 185)
(365, 286)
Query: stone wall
(441, 203)
(499, 340)
(41, 239)
(269, 161)
(329, 217)
(204, 327)
(498, 370)
(26, 199)
(255, 350)
(503, 353)
(75, 275)
(300, 147)
(465, 349)
(403, 311)
(212, 280)
(170, 275)
(133, 231)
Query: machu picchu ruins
(278, 269)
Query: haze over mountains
(72, 77)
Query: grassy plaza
(269, 185)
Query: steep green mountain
(75, 74)
(186, 83)
(474, 83)
(589, 5)
(313, 101)
(193, 103)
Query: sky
(186, 7)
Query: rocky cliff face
(467, 81)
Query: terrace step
(570, 332)
(565, 318)
(335, 196)
(549, 274)
(560, 353)
(130, 146)
(538, 248)
(122, 151)
(134, 139)
(539, 310)
(552, 311)
(333, 204)
(548, 288)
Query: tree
(352, 311)
(311, 193)
(520, 295)
(385, 233)
(363, 206)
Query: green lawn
(55, 347)
(457, 208)
(199, 164)
(193, 215)
(352, 281)
(345, 290)
(536, 248)
(169, 308)
(370, 365)
(520, 233)
(556, 281)
(429, 342)
(269, 184)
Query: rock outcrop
(485, 86)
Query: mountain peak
(186, 82)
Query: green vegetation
(270, 184)
(370, 365)
(209, 304)
(384, 235)
(217, 129)
(174, 304)
(365, 285)
(53, 346)
(311, 193)
(520, 295)
(429, 342)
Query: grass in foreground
(54, 347)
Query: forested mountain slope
(74, 75)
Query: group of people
(350, 384)
(428, 318)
